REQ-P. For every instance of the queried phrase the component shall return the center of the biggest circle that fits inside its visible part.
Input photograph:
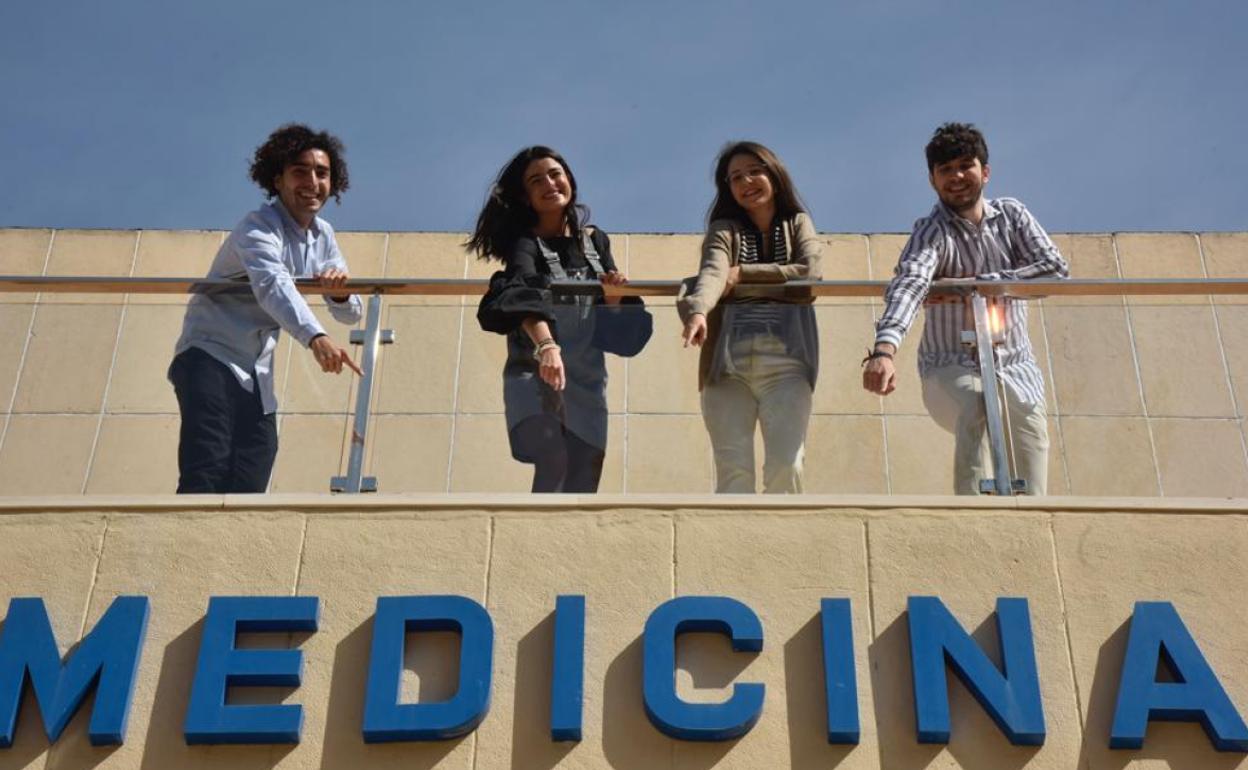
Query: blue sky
(1116, 115)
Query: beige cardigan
(721, 250)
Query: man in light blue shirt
(222, 369)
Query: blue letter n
(108, 658)
(1011, 697)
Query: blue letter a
(1011, 697)
(1158, 634)
(108, 655)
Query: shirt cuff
(890, 336)
(307, 332)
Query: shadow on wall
(344, 745)
(706, 667)
(629, 741)
(1171, 743)
(806, 702)
(531, 746)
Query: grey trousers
(769, 388)
(954, 397)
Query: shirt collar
(949, 215)
(292, 225)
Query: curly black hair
(286, 144)
(955, 140)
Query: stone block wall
(1146, 394)
(1080, 569)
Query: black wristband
(874, 354)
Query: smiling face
(304, 184)
(960, 182)
(548, 187)
(750, 183)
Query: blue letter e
(385, 719)
(109, 655)
(702, 721)
(208, 718)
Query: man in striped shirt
(969, 237)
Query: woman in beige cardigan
(760, 355)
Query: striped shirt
(1008, 245)
(760, 312)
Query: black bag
(624, 329)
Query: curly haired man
(222, 370)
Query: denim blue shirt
(270, 249)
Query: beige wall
(1081, 567)
(1146, 397)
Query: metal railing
(372, 336)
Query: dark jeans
(227, 442)
(564, 463)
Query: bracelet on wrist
(874, 354)
(543, 346)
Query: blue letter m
(107, 657)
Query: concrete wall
(1146, 396)
(1081, 566)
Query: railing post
(371, 337)
(1001, 482)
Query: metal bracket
(1001, 482)
(371, 337)
(339, 484)
(358, 336)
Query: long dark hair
(788, 203)
(507, 216)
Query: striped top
(1008, 245)
(761, 312)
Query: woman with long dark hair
(760, 355)
(555, 378)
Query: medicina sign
(107, 661)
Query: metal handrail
(372, 336)
(79, 284)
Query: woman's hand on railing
(695, 331)
(610, 280)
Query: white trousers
(954, 396)
(769, 389)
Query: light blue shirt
(270, 249)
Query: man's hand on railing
(331, 357)
(333, 278)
